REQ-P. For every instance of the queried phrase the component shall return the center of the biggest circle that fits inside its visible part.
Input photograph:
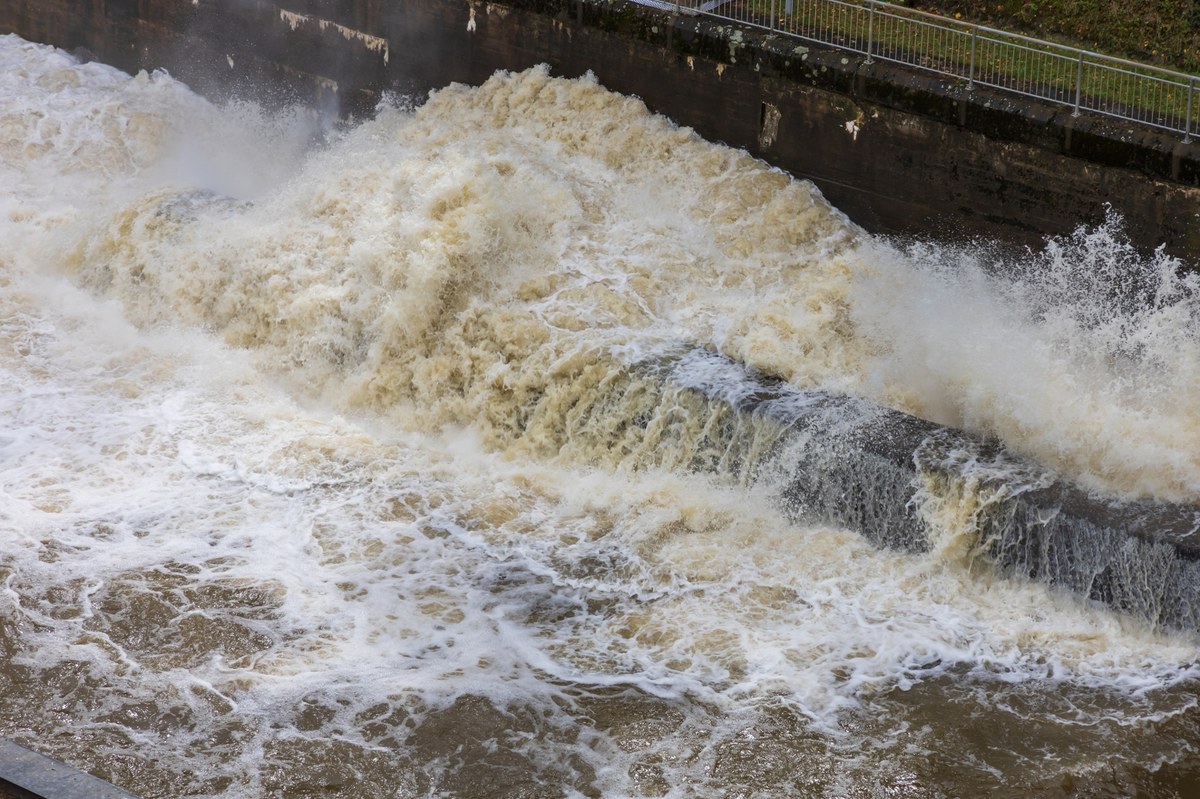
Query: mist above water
(305, 491)
(1083, 356)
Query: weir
(903, 482)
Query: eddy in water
(326, 471)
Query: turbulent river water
(313, 484)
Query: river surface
(311, 484)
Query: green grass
(1161, 32)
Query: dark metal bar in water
(25, 774)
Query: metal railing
(977, 55)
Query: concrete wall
(898, 151)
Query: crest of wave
(498, 235)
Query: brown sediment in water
(510, 567)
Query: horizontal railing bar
(977, 54)
(949, 23)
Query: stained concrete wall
(897, 150)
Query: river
(314, 483)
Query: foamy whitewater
(304, 491)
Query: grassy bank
(1162, 32)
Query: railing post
(774, 14)
(971, 73)
(1078, 85)
(1187, 126)
(870, 34)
